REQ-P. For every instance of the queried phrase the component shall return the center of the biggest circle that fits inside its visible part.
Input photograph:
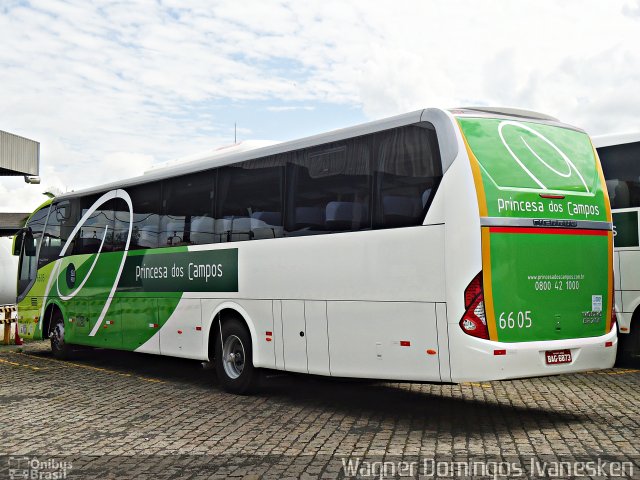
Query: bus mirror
(29, 245)
(17, 242)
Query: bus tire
(59, 347)
(234, 359)
(629, 343)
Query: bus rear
(541, 302)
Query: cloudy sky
(111, 88)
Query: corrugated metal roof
(18, 155)
(10, 223)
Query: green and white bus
(435, 246)
(620, 158)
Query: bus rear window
(533, 170)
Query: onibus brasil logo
(546, 166)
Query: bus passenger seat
(202, 230)
(240, 229)
(222, 229)
(310, 217)
(266, 225)
(342, 215)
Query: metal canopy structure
(10, 223)
(19, 156)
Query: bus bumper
(476, 360)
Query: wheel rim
(233, 356)
(57, 336)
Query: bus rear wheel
(59, 347)
(234, 359)
(629, 346)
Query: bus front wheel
(234, 359)
(59, 347)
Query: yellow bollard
(7, 333)
(8, 315)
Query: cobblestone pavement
(115, 414)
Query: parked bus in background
(435, 246)
(620, 158)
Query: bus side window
(120, 224)
(249, 202)
(93, 230)
(146, 215)
(408, 170)
(187, 217)
(329, 188)
(61, 222)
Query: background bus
(433, 246)
(8, 263)
(620, 158)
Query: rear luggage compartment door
(546, 283)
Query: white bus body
(388, 303)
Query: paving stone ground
(112, 414)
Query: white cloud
(91, 80)
(633, 9)
(119, 165)
(290, 108)
(17, 196)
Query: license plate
(554, 357)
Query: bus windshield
(31, 238)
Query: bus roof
(216, 160)
(611, 139)
(507, 112)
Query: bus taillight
(474, 321)
(614, 319)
